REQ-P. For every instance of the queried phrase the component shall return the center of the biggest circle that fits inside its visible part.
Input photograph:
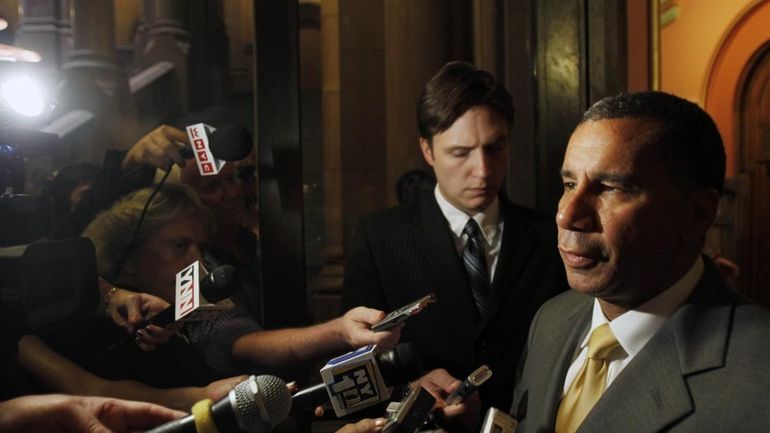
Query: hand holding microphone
(255, 405)
(129, 309)
(214, 286)
(157, 148)
(360, 379)
(230, 142)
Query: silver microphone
(259, 403)
(256, 405)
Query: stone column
(39, 23)
(168, 39)
(91, 78)
(64, 28)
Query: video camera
(23, 218)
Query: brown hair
(112, 231)
(456, 88)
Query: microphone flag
(354, 381)
(199, 138)
(189, 303)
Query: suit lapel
(551, 359)
(652, 391)
(440, 251)
(515, 250)
(649, 394)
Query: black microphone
(229, 142)
(214, 286)
(394, 367)
(255, 405)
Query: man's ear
(427, 151)
(704, 205)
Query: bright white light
(9, 53)
(23, 95)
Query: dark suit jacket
(705, 370)
(407, 252)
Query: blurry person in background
(66, 189)
(176, 231)
(247, 174)
(52, 372)
(70, 183)
(235, 241)
(157, 152)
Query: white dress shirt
(491, 228)
(634, 328)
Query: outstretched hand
(364, 426)
(462, 417)
(357, 324)
(159, 148)
(130, 309)
(56, 413)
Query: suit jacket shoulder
(704, 370)
(407, 252)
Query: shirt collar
(635, 328)
(487, 220)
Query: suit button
(483, 344)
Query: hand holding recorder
(469, 385)
(357, 329)
(400, 315)
(464, 414)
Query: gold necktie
(589, 383)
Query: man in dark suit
(650, 338)
(491, 263)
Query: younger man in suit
(650, 338)
(491, 263)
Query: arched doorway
(753, 158)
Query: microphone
(214, 286)
(229, 142)
(408, 415)
(358, 379)
(497, 421)
(255, 405)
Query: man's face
(621, 220)
(221, 193)
(172, 248)
(470, 159)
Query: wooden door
(754, 162)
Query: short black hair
(66, 180)
(454, 89)
(687, 136)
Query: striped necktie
(475, 261)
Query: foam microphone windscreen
(229, 142)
